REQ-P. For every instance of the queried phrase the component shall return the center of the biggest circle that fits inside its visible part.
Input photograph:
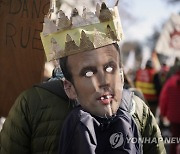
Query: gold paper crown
(62, 36)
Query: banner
(169, 40)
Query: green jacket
(34, 123)
(35, 120)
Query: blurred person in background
(163, 73)
(147, 80)
(173, 68)
(170, 104)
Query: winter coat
(145, 82)
(34, 122)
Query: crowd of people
(161, 90)
(92, 107)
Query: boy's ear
(69, 89)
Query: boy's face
(97, 83)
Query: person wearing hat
(99, 117)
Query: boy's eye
(89, 74)
(109, 69)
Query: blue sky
(149, 14)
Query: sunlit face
(97, 80)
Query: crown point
(105, 13)
(70, 47)
(111, 34)
(74, 12)
(68, 38)
(85, 42)
(62, 22)
(104, 6)
(83, 34)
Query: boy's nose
(103, 80)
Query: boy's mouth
(106, 99)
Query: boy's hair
(66, 70)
